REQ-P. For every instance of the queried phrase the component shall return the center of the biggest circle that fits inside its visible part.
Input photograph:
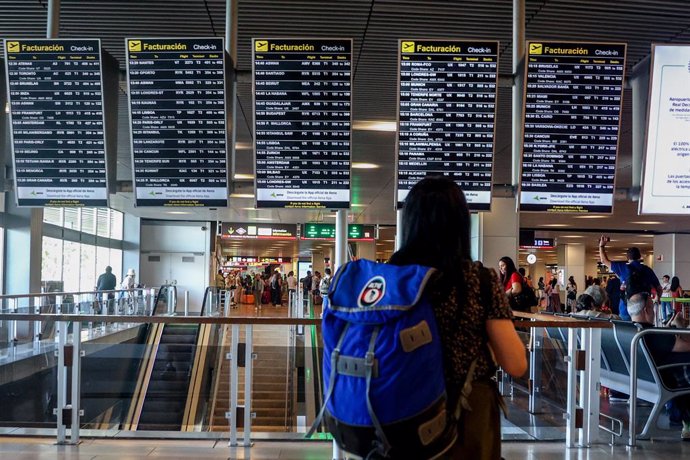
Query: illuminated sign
(302, 120)
(572, 114)
(177, 111)
(259, 231)
(318, 231)
(58, 121)
(446, 115)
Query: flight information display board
(55, 90)
(177, 110)
(447, 108)
(302, 120)
(665, 185)
(573, 95)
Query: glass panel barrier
(258, 371)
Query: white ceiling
(375, 26)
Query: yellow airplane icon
(13, 47)
(134, 45)
(535, 48)
(261, 45)
(408, 47)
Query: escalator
(166, 395)
(174, 378)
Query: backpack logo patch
(373, 291)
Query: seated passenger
(591, 303)
(666, 350)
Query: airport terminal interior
(180, 176)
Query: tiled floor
(110, 449)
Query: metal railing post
(632, 402)
(61, 381)
(535, 371)
(593, 374)
(248, 367)
(186, 303)
(234, 351)
(571, 405)
(152, 300)
(12, 335)
(76, 382)
(37, 323)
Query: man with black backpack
(633, 268)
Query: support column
(496, 233)
(231, 49)
(366, 250)
(639, 81)
(518, 84)
(671, 256)
(340, 239)
(24, 233)
(571, 259)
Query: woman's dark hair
(435, 227)
(572, 281)
(291, 273)
(553, 282)
(675, 283)
(541, 279)
(510, 268)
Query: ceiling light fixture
(375, 125)
(358, 205)
(555, 225)
(647, 222)
(241, 195)
(243, 145)
(591, 216)
(359, 165)
(240, 176)
(178, 212)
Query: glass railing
(230, 373)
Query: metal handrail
(161, 319)
(632, 436)
(64, 294)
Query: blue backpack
(385, 394)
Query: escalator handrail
(159, 294)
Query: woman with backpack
(471, 310)
(571, 296)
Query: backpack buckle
(369, 359)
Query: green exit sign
(327, 232)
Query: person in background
(554, 295)
(510, 278)
(591, 303)
(291, 284)
(435, 233)
(106, 281)
(274, 284)
(231, 285)
(129, 281)
(541, 295)
(526, 277)
(220, 280)
(258, 289)
(325, 283)
(613, 291)
(571, 296)
(306, 285)
(676, 292)
(623, 270)
(666, 307)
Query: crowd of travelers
(272, 288)
(630, 292)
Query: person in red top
(510, 278)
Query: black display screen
(302, 119)
(55, 90)
(178, 120)
(571, 126)
(447, 107)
